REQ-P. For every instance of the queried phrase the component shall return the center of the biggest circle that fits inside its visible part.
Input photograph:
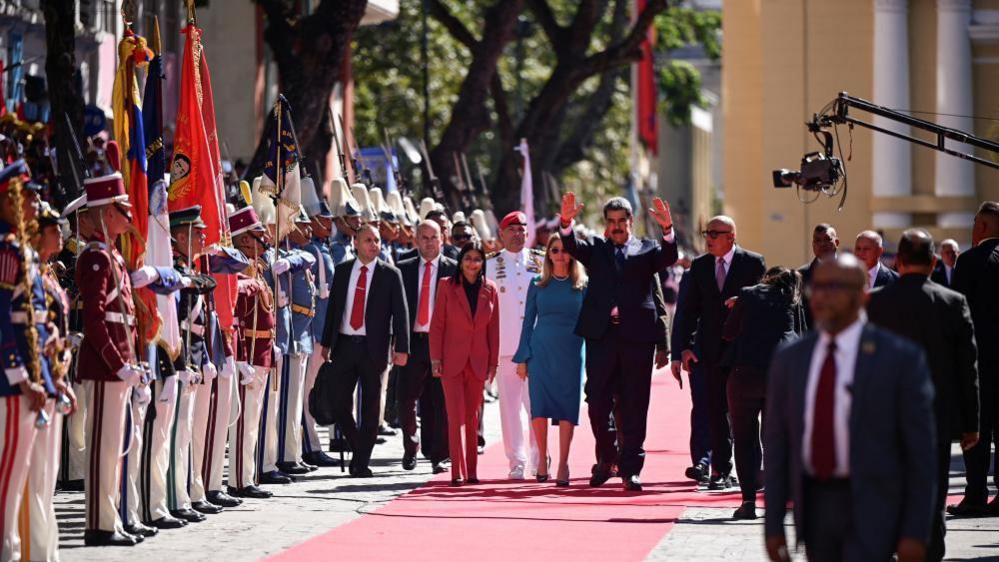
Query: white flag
(527, 193)
(160, 253)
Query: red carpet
(503, 520)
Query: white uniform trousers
(203, 398)
(155, 452)
(179, 473)
(130, 505)
(221, 406)
(39, 527)
(18, 424)
(310, 433)
(289, 431)
(519, 443)
(245, 433)
(105, 445)
(76, 425)
(267, 442)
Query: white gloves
(185, 282)
(186, 377)
(144, 276)
(228, 368)
(142, 395)
(282, 300)
(169, 390)
(281, 266)
(246, 372)
(130, 374)
(209, 371)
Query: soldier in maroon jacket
(254, 319)
(106, 363)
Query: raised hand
(569, 208)
(659, 211)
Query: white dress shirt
(847, 344)
(948, 271)
(433, 265)
(872, 275)
(355, 273)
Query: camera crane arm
(844, 102)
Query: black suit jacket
(892, 439)
(630, 288)
(385, 311)
(761, 319)
(939, 320)
(701, 310)
(976, 276)
(885, 277)
(806, 279)
(939, 275)
(410, 270)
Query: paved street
(326, 499)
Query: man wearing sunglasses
(713, 278)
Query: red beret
(513, 218)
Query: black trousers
(935, 549)
(416, 384)
(353, 365)
(619, 370)
(829, 528)
(721, 432)
(978, 459)
(747, 392)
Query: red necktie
(423, 312)
(357, 312)
(823, 420)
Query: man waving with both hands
(618, 321)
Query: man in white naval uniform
(513, 269)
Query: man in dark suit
(715, 277)
(367, 307)
(943, 272)
(939, 321)
(416, 381)
(976, 276)
(869, 247)
(618, 320)
(825, 245)
(849, 436)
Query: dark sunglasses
(461, 237)
(712, 234)
(555, 251)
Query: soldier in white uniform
(513, 269)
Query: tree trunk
(65, 97)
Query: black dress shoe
(439, 468)
(138, 529)
(601, 474)
(275, 477)
(721, 482)
(251, 491)
(292, 468)
(361, 473)
(455, 482)
(967, 509)
(222, 499)
(72, 486)
(109, 538)
(167, 522)
(188, 515)
(387, 431)
(746, 511)
(380, 440)
(472, 480)
(310, 466)
(697, 473)
(632, 484)
(206, 507)
(319, 458)
(408, 463)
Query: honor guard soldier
(513, 269)
(347, 219)
(254, 321)
(302, 304)
(25, 407)
(321, 222)
(107, 362)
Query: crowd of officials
(837, 387)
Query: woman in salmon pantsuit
(464, 353)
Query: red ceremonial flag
(647, 102)
(196, 170)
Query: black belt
(421, 335)
(353, 339)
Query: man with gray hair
(943, 272)
(869, 248)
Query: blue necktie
(619, 256)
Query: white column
(954, 176)
(892, 158)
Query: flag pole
(278, 181)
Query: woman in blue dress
(550, 355)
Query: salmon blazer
(456, 338)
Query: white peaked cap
(458, 217)
(411, 210)
(480, 225)
(360, 194)
(310, 199)
(262, 202)
(394, 201)
(342, 202)
(377, 201)
(427, 204)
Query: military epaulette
(538, 252)
(492, 255)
